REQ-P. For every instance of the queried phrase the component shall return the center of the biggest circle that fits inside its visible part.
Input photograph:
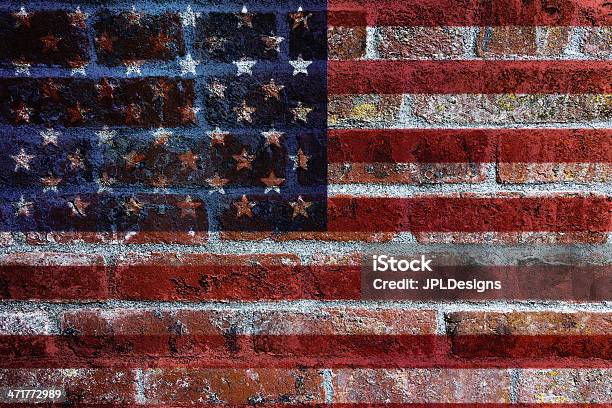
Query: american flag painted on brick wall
(188, 188)
(420, 96)
(253, 123)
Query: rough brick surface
(205, 276)
(233, 386)
(403, 173)
(188, 191)
(52, 276)
(346, 42)
(230, 37)
(14, 323)
(146, 102)
(132, 36)
(528, 323)
(418, 386)
(597, 43)
(44, 37)
(565, 386)
(509, 108)
(506, 41)
(82, 385)
(554, 172)
(421, 43)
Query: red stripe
(202, 282)
(470, 145)
(469, 214)
(236, 282)
(450, 77)
(469, 13)
(326, 405)
(22, 282)
(320, 351)
(322, 282)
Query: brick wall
(169, 288)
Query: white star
(22, 160)
(216, 184)
(300, 66)
(105, 135)
(188, 17)
(188, 65)
(244, 10)
(23, 207)
(78, 17)
(272, 137)
(49, 136)
(300, 9)
(300, 112)
(22, 68)
(133, 67)
(22, 15)
(300, 160)
(244, 66)
(273, 42)
(217, 89)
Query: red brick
(346, 42)
(348, 321)
(239, 338)
(559, 336)
(52, 276)
(555, 41)
(138, 218)
(233, 386)
(135, 36)
(345, 236)
(469, 13)
(51, 37)
(471, 213)
(135, 337)
(518, 173)
(363, 110)
(421, 42)
(326, 320)
(506, 109)
(468, 77)
(97, 322)
(421, 386)
(496, 42)
(400, 146)
(565, 386)
(597, 43)
(134, 102)
(512, 238)
(404, 173)
(168, 276)
(82, 385)
(529, 323)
